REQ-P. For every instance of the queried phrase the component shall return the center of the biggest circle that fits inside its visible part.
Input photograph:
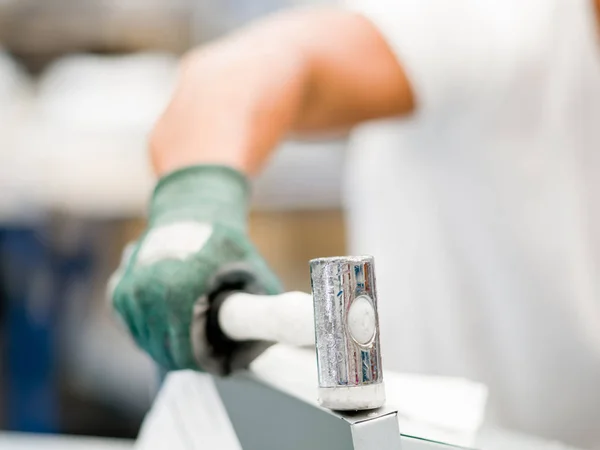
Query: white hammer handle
(285, 318)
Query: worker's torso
(485, 225)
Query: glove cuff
(213, 350)
(203, 193)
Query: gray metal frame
(266, 418)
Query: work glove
(194, 251)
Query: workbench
(488, 439)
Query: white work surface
(21, 441)
(488, 440)
(189, 412)
(494, 439)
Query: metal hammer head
(347, 333)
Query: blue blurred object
(30, 367)
(35, 279)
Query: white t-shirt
(483, 208)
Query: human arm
(302, 71)
(297, 72)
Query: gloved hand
(194, 247)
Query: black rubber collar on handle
(214, 351)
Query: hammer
(346, 410)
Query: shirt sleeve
(447, 48)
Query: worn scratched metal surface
(336, 283)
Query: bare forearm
(232, 105)
(300, 71)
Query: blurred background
(81, 83)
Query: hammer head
(347, 333)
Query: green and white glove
(195, 248)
